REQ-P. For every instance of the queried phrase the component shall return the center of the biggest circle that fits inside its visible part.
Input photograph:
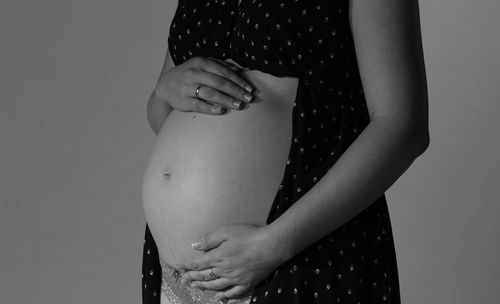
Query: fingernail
(196, 245)
(247, 97)
(220, 299)
(248, 88)
(237, 104)
(183, 281)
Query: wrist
(159, 92)
(280, 247)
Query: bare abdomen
(206, 171)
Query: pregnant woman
(280, 198)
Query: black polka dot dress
(311, 40)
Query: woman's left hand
(240, 256)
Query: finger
(230, 65)
(209, 93)
(200, 106)
(200, 263)
(222, 91)
(211, 240)
(222, 79)
(203, 275)
(234, 292)
(217, 284)
(213, 66)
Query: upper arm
(389, 51)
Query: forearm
(157, 112)
(373, 162)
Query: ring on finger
(198, 91)
(212, 274)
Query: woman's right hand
(221, 86)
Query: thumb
(210, 241)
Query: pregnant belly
(206, 171)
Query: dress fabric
(310, 40)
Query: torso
(311, 40)
(210, 170)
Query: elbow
(411, 134)
(419, 137)
(423, 141)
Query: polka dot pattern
(306, 39)
(310, 40)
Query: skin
(222, 87)
(389, 51)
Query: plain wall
(74, 141)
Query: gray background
(74, 141)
